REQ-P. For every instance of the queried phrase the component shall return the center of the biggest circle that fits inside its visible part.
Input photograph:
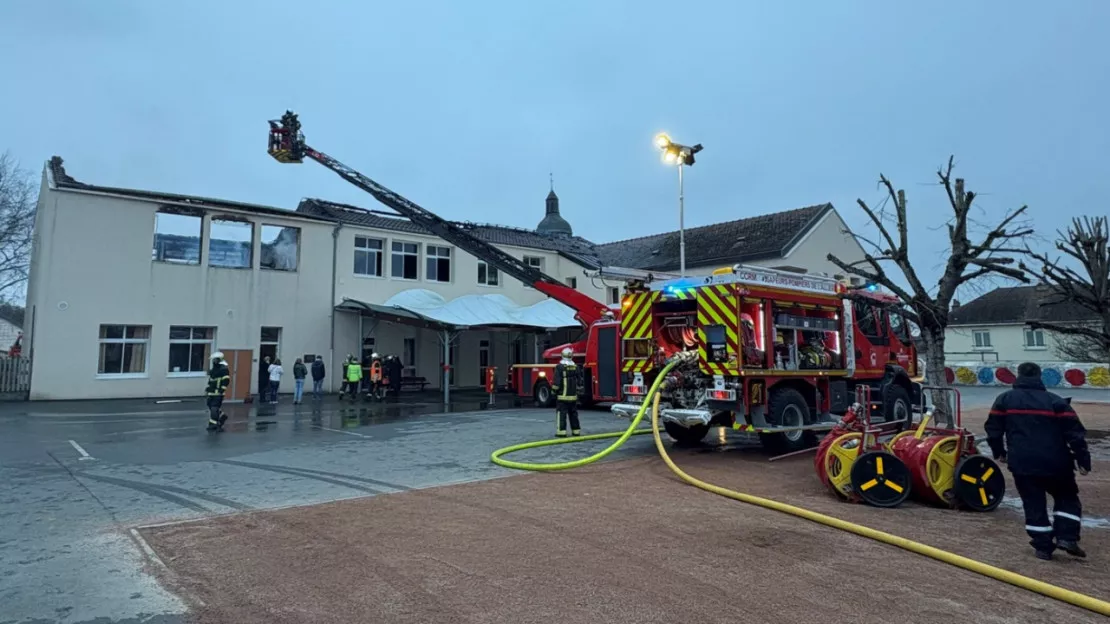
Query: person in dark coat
(318, 377)
(263, 379)
(396, 369)
(1039, 436)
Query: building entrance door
(240, 363)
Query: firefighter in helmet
(567, 382)
(376, 390)
(352, 373)
(219, 377)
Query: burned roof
(1018, 305)
(574, 248)
(742, 240)
(63, 180)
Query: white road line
(340, 431)
(83, 452)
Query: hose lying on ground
(1040, 587)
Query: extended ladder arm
(287, 145)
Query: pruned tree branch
(968, 259)
(1085, 290)
(17, 221)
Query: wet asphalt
(76, 477)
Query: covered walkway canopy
(428, 310)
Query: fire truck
(770, 352)
(598, 348)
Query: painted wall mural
(1054, 374)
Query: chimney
(955, 303)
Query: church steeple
(553, 222)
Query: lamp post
(681, 155)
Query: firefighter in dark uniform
(565, 385)
(219, 377)
(1039, 436)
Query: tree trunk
(943, 401)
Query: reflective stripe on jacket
(565, 383)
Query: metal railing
(15, 377)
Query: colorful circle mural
(1051, 377)
(1004, 375)
(1066, 375)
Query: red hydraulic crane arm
(287, 145)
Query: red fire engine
(777, 353)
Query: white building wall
(1007, 344)
(464, 271)
(827, 237)
(92, 266)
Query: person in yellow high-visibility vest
(566, 385)
(353, 376)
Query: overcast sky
(465, 107)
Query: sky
(467, 107)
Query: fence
(15, 378)
(1053, 374)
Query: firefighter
(376, 388)
(352, 377)
(218, 379)
(1040, 438)
(565, 385)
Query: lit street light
(677, 154)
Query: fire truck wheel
(543, 395)
(788, 408)
(686, 436)
(897, 406)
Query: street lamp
(681, 155)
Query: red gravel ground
(615, 543)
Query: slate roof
(63, 180)
(742, 240)
(1017, 305)
(574, 248)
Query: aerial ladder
(287, 145)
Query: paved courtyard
(76, 479)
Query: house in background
(994, 327)
(11, 327)
(793, 240)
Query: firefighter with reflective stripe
(219, 378)
(376, 389)
(566, 384)
(352, 377)
(1038, 434)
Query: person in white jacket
(276, 371)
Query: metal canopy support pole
(446, 337)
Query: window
(614, 294)
(269, 343)
(865, 318)
(982, 339)
(280, 248)
(190, 348)
(1034, 339)
(409, 359)
(369, 256)
(404, 260)
(230, 243)
(536, 262)
(123, 350)
(438, 267)
(177, 238)
(572, 282)
(488, 275)
(368, 347)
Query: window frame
(229, 219)
(431, 260)
(1029, 331)
(975, 333)
(145, 374)
(571, 282)
(199, 244)
(276, 343)
(482, 264)
(393, 260)
(357, 249)
(191, 340)
(262, 245)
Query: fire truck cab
(770, 352)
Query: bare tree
(993, 254)
(17, 223)
(1085, 288)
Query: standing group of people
(270, 374)
(371, 377)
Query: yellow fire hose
(1045, 589)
